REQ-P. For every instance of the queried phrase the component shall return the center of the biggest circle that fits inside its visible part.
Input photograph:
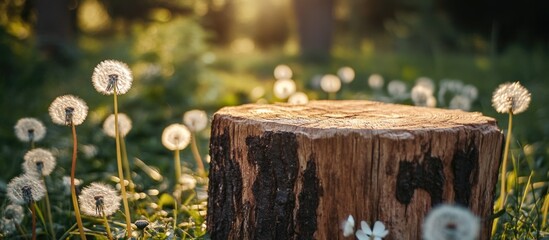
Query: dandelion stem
(119, 163)
(41, 216)
(33, 221)
(545, 209)
(175, 210)
(107, 227)
(143, 236)
(73, 186)
(21, 230)
(503, 191)
(126, 163)
(48, 209)
(177, 164)
(196, 155)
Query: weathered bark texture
(296, 171)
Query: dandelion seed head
(257, 92)
(39, 162)
(89, 150)
(427, 83)
(511, 97)
(397, 89)
(13, 215)
(460, 102)
(187, 182)
(66, 182)
(298, 98)
(176, 137)
(110, 73)
(283, 88)
(99, 198)
(470, 91)
(346, 74)
(330, 83)
(375, 81)
(124, 125)
(450, 222)
(283, 72)
(196, 120)
(25, 189)
(29, 129)
(421, 96)
(67, 110)
(452, 85)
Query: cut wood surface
(284, 171)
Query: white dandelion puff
(187, 182)
(38, 161)
(283, 88)
(283, 72)
(330, 83)
(460, 102)
(426, 83)
(470, 91)
(511, 97)
(422, 96)
(298, 98)
(257, 92)
(124, 125)
(98, 199)
(348, 226)
(13, 215)
(346, 74)
(366, 233)
(448, 222)
(110, 73)
(67, 110)
(375, 81)
(176, 137)
(196, 120)
(29, 129)
(397, 89)
(66, 181)
(25, 189)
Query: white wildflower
(366, 233)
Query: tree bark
(296, 171)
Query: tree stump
(297, 171)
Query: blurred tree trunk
(220, 20)
(356, 21)
(315, 27)
(54, 26)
